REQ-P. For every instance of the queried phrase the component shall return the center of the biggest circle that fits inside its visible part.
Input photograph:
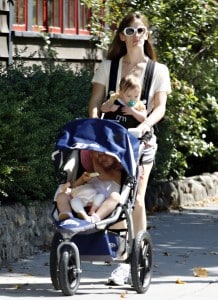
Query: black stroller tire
(54, 260)
(141, 262)
(69, 278)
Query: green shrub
(183, 134)
(34, 105)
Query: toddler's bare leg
(78, 207)
(63, 205)
(98, 199)
(108, 205)
(93, 209)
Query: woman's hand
(144, 127)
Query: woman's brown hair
(117, 48)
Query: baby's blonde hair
(129, 82)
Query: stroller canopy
(104, 136)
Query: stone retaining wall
(186, 192)
(25, 230)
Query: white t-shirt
(160, 81)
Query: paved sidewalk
(182, 241)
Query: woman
(132, 46)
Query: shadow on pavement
(184, 240)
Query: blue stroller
(77, 240)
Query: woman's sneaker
(120, 275)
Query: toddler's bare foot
(84, 217)
(64, 216)
(95, 218)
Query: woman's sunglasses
(129, 31)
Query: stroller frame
(67, 253)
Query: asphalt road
(182, 241)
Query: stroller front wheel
(69, 277)
(54, 260)
(141, 262)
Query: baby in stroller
(77, 240)
(90, 190)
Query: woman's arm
(160, 99)
(97, 96)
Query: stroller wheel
(54, 260)
(141, 262)
(69, 277)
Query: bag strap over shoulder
(147, 80)
(113, 76)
